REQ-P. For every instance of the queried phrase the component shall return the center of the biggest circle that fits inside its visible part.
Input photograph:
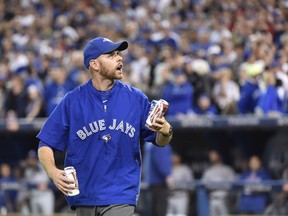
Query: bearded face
(110, 65)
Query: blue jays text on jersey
(99, 125)
(101, 132)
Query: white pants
(178, 205)
(42, 202)
(218, 207)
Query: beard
(109, 73)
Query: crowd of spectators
(26, 188)
(204, 56)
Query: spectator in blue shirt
(179, 93)
(205, 106)
(254, 198)
(249, 91)
(56, 88)
(169, 37)
(157, 171)
(273, 100)
(7, 196)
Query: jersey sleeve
(146, 134)
(162, 158)
(55, 130)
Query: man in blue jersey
(99, 125)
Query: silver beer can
(70, 173)
(157, 109)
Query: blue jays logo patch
(106, 137)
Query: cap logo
(106, 39)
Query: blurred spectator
(204, 106)
(254, 198)
(273, 100)
(239, 51)
(230, 54)
(198, 75)
(76, 67)
(84, 76)
(8, 195)
(56, 88)
(285, 178)
(168, 36)
(16, 99)
(22, 201)
(20, 59)
(140, 68)
(217, 63)
(12, 123)
(3, 94)
(283, 61)
(178, 201)
(250, 90)
(226, 93)
(179, 93)
(35, 103)
(219, 31)
(220, 174)
(274, 157)
(202, 44)
(32, 76)
(281, 76)
(41, 197)
(162, 74)
(157, 171)
(279, 204)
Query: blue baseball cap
(99, 46)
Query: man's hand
(160, 126)
(63, 183)
(163, 129)
(47, 160)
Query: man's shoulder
(74, 95)
(127, 86)
(130, 89)
(78, 90)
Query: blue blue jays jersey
(100, 132)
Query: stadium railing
(201, 191)
(200, 188)
(200, 122)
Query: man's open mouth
(119, 68)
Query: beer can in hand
(157, 109)
(70, 173)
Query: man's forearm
(46, 158)
(163, 140)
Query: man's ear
(94, 64)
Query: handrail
(200, 187)
(238, 184)
(194, 122)
(191, 185)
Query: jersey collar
(97, 92)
